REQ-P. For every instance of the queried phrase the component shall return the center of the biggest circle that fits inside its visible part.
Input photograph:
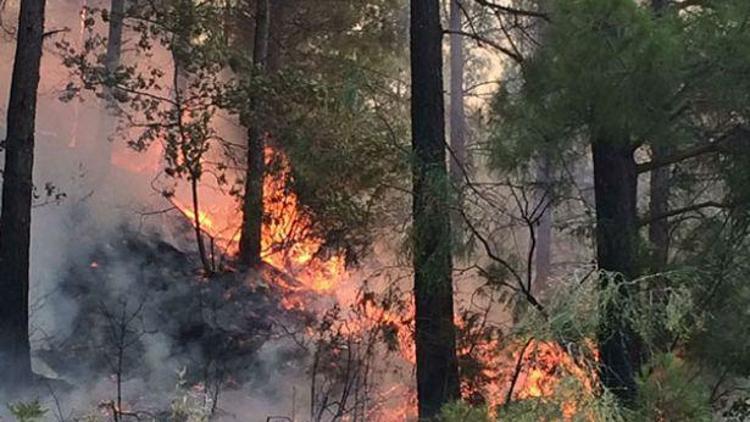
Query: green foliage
(335, 108)
(344, 142)
(615, 71)
(461, 412)
(28, 411)
(669, 388)
(725, 342)
(607, 72)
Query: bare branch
(513, 11)
(736, 134)
(678, 211)
(482, 40)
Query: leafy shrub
(27, 411)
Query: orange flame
(288, 245)
(286, 241)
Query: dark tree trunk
(114, 39)
(658, 230)
(252, 219)
(276, 33)
(615, 186)
(437, 368)
(15, 217)
(457, 112)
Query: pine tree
(18, 187)
(437, 368)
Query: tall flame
(286, 241)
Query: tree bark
(112, 59)
(278, 12)
(15, 217)
(252, 219)
(437, 365)
(615, 186)
(457, 112)
(658, 231)
(543, 255)
(114, 39)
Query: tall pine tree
(15, 220)
(437, 366)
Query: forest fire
(532, 372)
(286, 240)
(289, 247)
(546, 363)
(569, 189)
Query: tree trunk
(114, 39)
(615, 186)
(544, 192)
(103, 147)
(15, 217)
(658, 231)
(181, 50)
(543, 255)
(437, 367)
(276, 34)
(252, 219)
(457, 112)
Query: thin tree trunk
(457, 112)
(103, 147)
(276, 33)
(15, 217)
(208, 268)
(457, 157)
(658, 229)
(543, 256)
(437, 368)
(114, 40)
(615, 186)
(252, 219)
(658, 232)
(180, 84)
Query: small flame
(206, 223)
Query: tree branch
(513, 10)
(690, 208)
(482, 40)
(517, 372)
(737, 133)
